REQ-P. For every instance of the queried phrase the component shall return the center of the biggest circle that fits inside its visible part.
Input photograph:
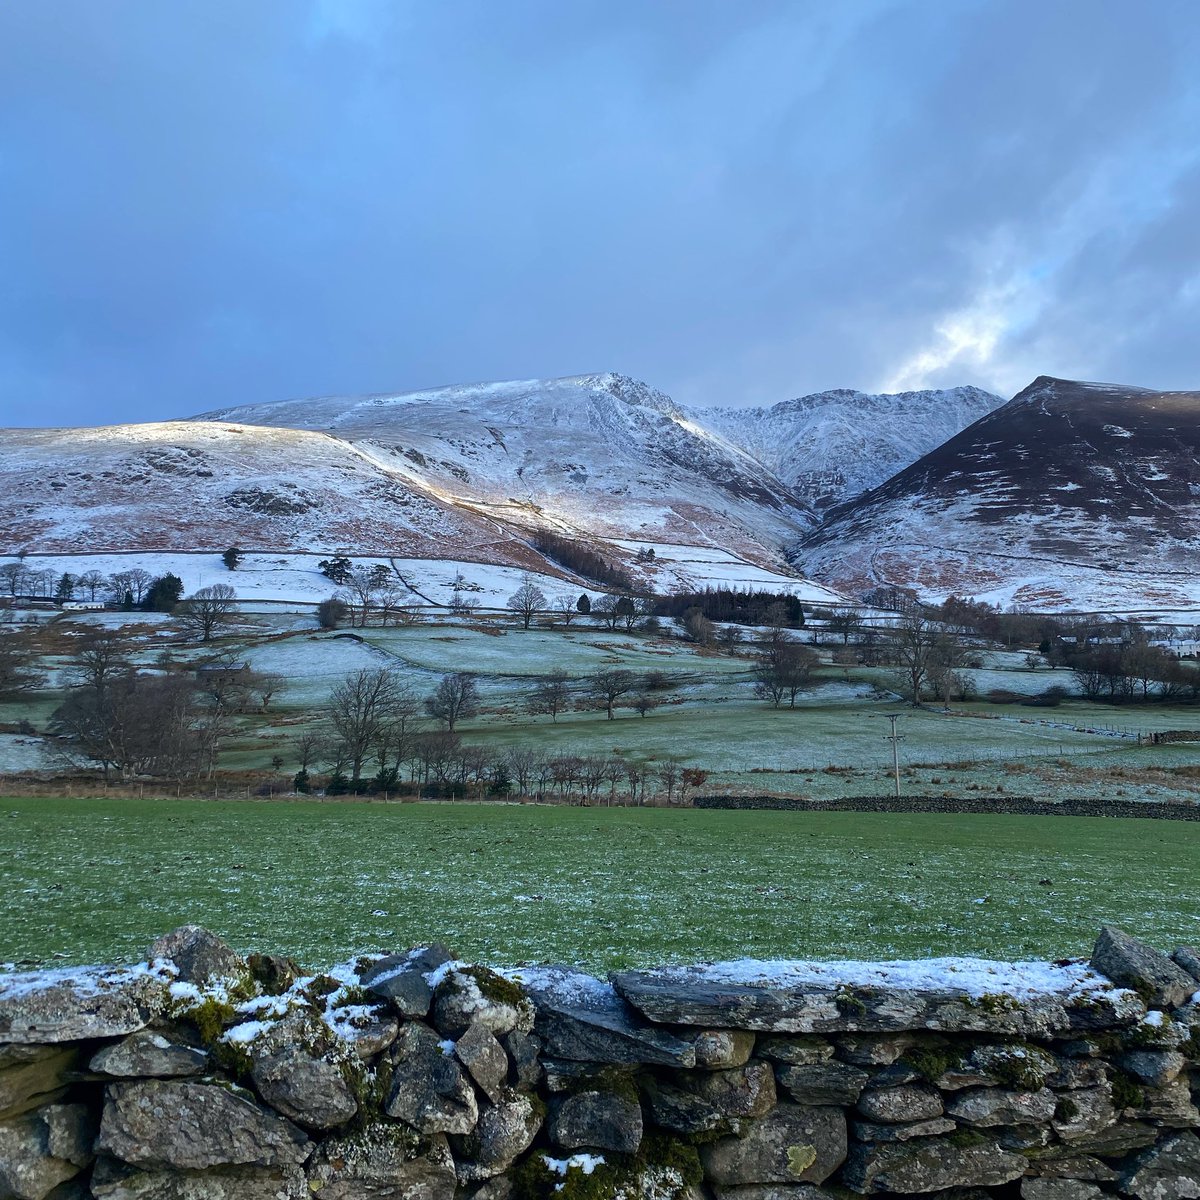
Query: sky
(213, 202)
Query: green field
(96, 880)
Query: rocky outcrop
(414, 1076)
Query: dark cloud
(207, 202)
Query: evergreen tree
(163, 594)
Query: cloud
(210, 202)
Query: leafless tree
(668, 775)
(925, 656)
(41, 582)
(261, 687)
(522, 763)
(100, 655)
(392, 606)
(609, 685)
(207, 610)
(844, 621)
(455, 698)
(90, 582)
(364, 587)
(527, 601)
(699, 628)
(140, 725)
(18, 664)
(567, 608)
(361, 708)
(784, 669)
(308, 747)
(14, 578)
(604, 609)
(139, 581)
(551, 694)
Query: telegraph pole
(895, 738)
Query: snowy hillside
(1072, 495)
(179, 485)
(601, 454)
(831, 446)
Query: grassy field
(830, 746)
(89, 880)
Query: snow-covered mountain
(831, 446)
(1071, 495)
(184, 485)
(472, 471)
(599, 454)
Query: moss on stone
(848, 1003)
(965, 1138)
(533, 1180)
(612, 1080)
(495, 987)
(930, 1062)
(659, 1150)
(1066, 1110)
(994, 1003)
(233, 1058)
(1015, 1069)
(1126, 1091)
(319, 987)
(210, 1017)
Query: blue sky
(205, 203)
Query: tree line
(373, 741)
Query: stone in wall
(416, 1076)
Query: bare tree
(604, 609)
(644, 703)
(393, 607)
(261, 687)
(730, 637)
(361, 708)
(844, 621)
(523, 763)
(527, 601)
(139, 581)
(90, 582)
(668, 775)
(18, 670)
(100, 656)
(609, 685)
(699, 628)
(567, 608)
(783, 670)
(308, 747)
(363, 587)
(14, 578)
(912, 645)
(925, 656)
(551, 694)
(207, 610)
(140, 725)
(456, 698)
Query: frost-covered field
(95, 880)
(266, 581)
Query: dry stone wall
(199, 1075)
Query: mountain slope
(1072, 494)
(180, 485)
(830, 446)
(603, 454)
